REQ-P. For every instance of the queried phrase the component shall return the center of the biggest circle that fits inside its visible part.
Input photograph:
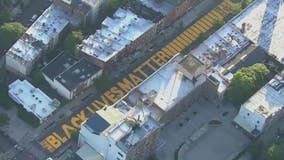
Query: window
(257, 122)
(117, 158)
(120, 154)
(248, 114)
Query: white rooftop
(116, 33)
(170, 85)
(31, 98)
(264, 23)
(165, 88)
(271, 97)
(48, 26)
(24, 51)
(266, 102)
(220, 47)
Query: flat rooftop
(31, 98)
(115, 34)
(265, 102)
(49, 25)
(58, 65)
(191, 63)
(24, 51)
(170, 85)
(145, 105)
(271, 97)
(78, 73)
(263, 24)
(221, 46)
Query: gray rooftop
(191, 63)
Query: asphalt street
(70, 109)
(171, 32)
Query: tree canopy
(5, 17)
(4, 119)
(5, 101)
(10, 32)
(72, 40)
(273, 151)
(246, 82)
(245, 3)
(115, 4)
(236, 8)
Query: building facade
(85, 10)
(264, 108)
(69, 77)
(42, 35)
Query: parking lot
(200, 141)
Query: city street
(72, 108)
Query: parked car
(33, 18)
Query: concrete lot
(219, 143)
(222, 142)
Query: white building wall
(99, 143)
(62, 90)
(103, 145)
(50, 82)
(14, 64)
(113, 153)
(252, 119)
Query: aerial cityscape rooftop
(262, 23)
(32, 99)
(115, 34)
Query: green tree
(115, 4)
(246, 82)
(10, 32)
(5, 17)
(5, 101)
(74, 135)
(275, 152)
(245, 3)
(4, 119)
(256, 149)
(28, 117)
(38, 77)
(236, 8)
(219, 23)
(72, 40)
(202, 37)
